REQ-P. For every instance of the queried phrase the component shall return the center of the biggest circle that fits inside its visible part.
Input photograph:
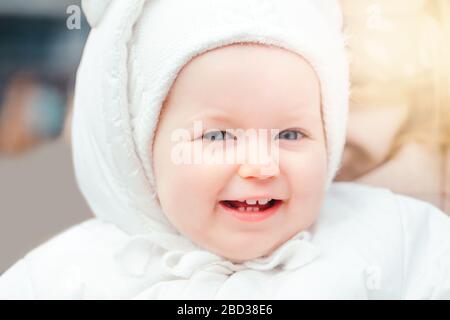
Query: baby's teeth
(260, 201)
(241, 209)
(255, 209)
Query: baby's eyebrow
(302, 114)
(292, 116)
(211, 115)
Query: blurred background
(39, 55)
(399, 126)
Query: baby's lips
(262, 204)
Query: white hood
(116, 106)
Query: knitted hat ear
(94, 10)
(332, 11)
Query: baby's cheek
(314, 173)
(194, 193)
(198, 181)
(306, 173)
(306, 168)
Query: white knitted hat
(134, 52)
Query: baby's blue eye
(290, 135)
(217, 135)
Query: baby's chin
(245, 252)
(245, 247)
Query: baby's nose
(259, 170)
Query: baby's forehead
(259, 59)
(247, 75)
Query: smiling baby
(206, 136)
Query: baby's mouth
(251, 205)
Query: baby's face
(247, 87)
